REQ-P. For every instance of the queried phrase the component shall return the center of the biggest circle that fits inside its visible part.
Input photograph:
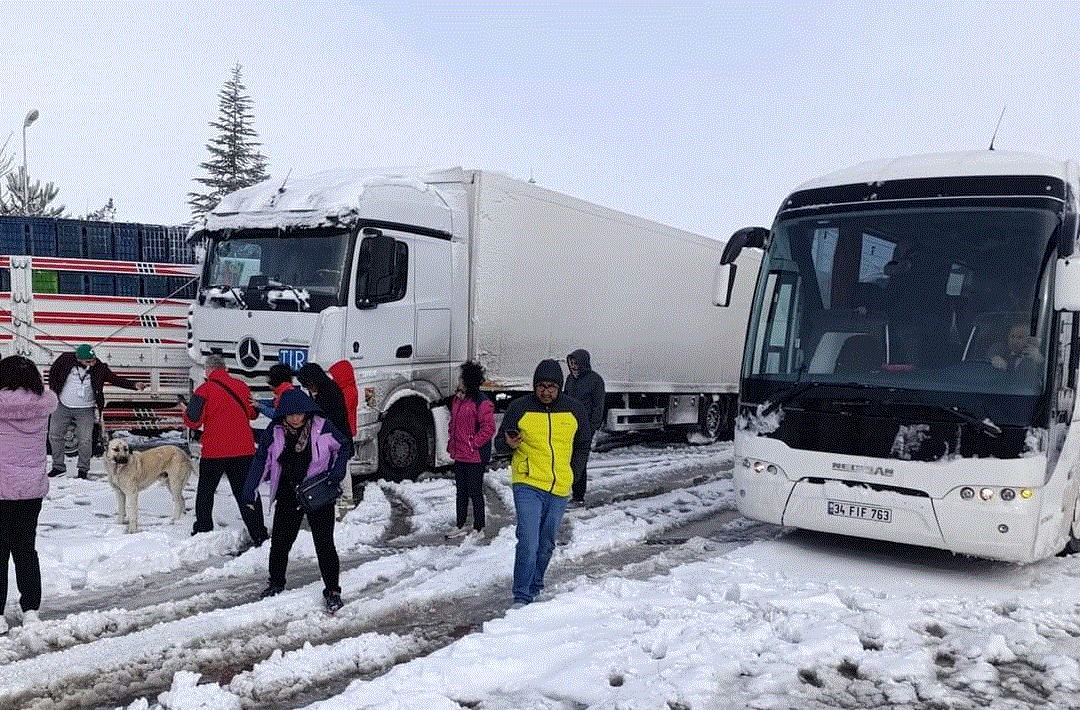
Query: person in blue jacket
(300, 443)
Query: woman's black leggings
(469, 478)
(287, 519)
(18, 531)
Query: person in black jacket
(326, 394)
(78, 378)
(586, 386)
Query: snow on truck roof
(970, 163)
(327, 198)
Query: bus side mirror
(1067, 284)
(723, 284)
(1067, 238)
(745, 237)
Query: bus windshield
(263, 269)
(948, 305)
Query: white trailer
(406, 274)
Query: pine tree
(107, 213)
(234, 161)
(6, 161)
(29, 198)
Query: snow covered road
(207, 620)
(660, 596)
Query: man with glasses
(78, 378)
(548, 434)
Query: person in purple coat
(300, 443)
(25, 406)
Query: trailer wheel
(403, 446)
(712, 420)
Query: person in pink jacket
(25, 406)
(472, 424)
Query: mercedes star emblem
(248, 353)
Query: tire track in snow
(400, 600)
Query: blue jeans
(538, 516)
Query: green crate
(45, 281)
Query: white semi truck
(404, 274)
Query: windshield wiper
(787, 395)
(229, 289)
(985, 425)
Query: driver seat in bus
(859, 353)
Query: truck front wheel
(403, 447)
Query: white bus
(911, 356)
(123, 288)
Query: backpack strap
(231, 394)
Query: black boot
(333, 601)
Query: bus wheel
(403, 446)
(1072, 546)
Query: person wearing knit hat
(547, 434)
(78, 378)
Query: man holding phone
(547, 434)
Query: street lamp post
(31, 116)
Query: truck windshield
(941, 306)
(263, 269)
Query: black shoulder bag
(317, 492)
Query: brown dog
(131, 471)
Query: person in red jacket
(222, 408)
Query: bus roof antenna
(994, 137)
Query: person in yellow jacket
(549, 434)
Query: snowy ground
(637, 615)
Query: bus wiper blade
(786, 396)
(798, 390)
(985, 425)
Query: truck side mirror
(723, 284)
(1067, 284)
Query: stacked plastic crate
(70, 235)
(13, 233)
(155, 242)
(99, 245)
(127, 247)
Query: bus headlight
(1026, 493)
(967, 493)
(1007, 494)
(986, 493)
(759, 466)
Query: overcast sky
(702, 116)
